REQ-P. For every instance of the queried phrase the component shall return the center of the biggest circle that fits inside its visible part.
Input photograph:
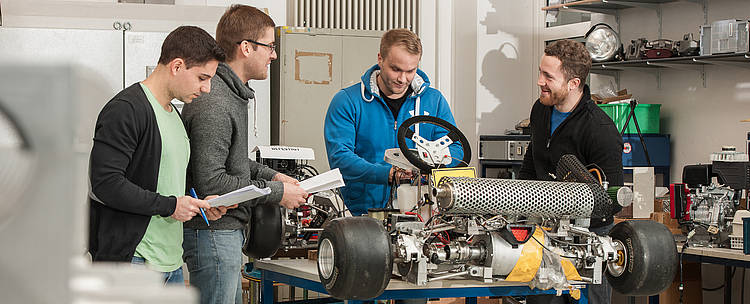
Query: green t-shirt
(161, 246)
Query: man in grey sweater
(218, 128)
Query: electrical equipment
(708, 207)
(636, 49)
(291, 161)
(603, 43)
(724, 36)
(503, 147)
(687, 46)
(660, 48)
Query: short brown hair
(192, 44)
(403, 37)
(576, 61)
(241, 22)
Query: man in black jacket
(139, 160)
(564, 120)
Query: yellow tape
(530, 260)
(570, 270)
(437, 174)
(575, 293)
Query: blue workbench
(304, 274)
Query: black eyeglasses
(271, 46)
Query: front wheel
(354, 258)
(265, 232)
(647, 258)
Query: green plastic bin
(647, 115)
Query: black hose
(743, 286)
(722, 285)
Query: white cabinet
(313, 65)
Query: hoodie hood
(370, 89)
(234, 83)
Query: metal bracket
(659, 17)
(688, 66)
(703, 3)
(615, 73)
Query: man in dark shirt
(564, 120)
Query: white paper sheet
(239, 196)
(322, 182)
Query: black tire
(649, 260)
(265, 232)
(354, 258)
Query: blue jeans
(214, 260)
(174, 277)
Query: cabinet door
(142, 50)
(359, 54)
(97, 51)
(311, 75)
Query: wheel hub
(326, 258)
(617, 267)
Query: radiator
(378, 15)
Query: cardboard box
(666, 219)
(693, 291)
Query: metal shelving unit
(609, 7)
(613, 7)
(693, 63)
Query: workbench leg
(584, 296)
(266, 288)
(472, 300)
(728, 284)
(653, 299)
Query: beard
(555, 97)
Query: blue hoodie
(359, 127)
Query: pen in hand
(203, 213)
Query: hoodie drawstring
(362, 89)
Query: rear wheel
(265, 232)
(354, 258)
(646, 258)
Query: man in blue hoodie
(363, 119)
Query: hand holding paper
(326, 181)
(239, 196)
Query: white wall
(493, 66)
(464, 71)
(505, 63)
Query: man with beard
(564, 120)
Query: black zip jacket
(123, 173)
(588, 133)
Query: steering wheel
(432, 151)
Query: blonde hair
(402, 37)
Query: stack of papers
(239, 196)
(322, 182)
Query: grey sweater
(216, 123)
